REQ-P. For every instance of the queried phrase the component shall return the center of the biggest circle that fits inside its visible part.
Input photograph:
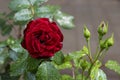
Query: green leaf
(85, 50)
(32, 64)
(65, 65)
(23, 15)
(19, 55)
(19, 4)
(15, 45)
(17, 48)
(39, 2)
(16, 51)
(47, 71)
(76, 56)
(66, 77)
(46, 11)
(23, 4)
(18, 67)
(113, 65)
(64, 20)
(101, 75)
(95, 70)
(29, 76)
(58, 58)
(13, 55)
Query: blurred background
(91, 13)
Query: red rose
(42, 38)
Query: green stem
(89, 51)
(73, 71)
(82, 74)
(103, 55)
(98, 55)
(32, 9)
(89, 71)
(97, 50)
(89, 58)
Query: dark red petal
(56, 29)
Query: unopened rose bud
(10, 41)
(83, 64)
(110, 41)
(102, 29)
(86, 32)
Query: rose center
(42, 37)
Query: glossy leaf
(18, 67)
(16, 51)
(13, 55)
(29, 76)
(47, 71)
(58, 58)
(64, 20)
(23, 15)
(32, 63)
(76, 56)
(65, 65)
(95, 70)
(113, 65)
(39, 2)
(15, 45)
(101, 75)
(23, 4)
(19, 4)
(46, 11)
(17, 48)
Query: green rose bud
(107, 43)
(84, 64)
(102, 29)
(110, 41)
(10, 41)
(86, 33)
